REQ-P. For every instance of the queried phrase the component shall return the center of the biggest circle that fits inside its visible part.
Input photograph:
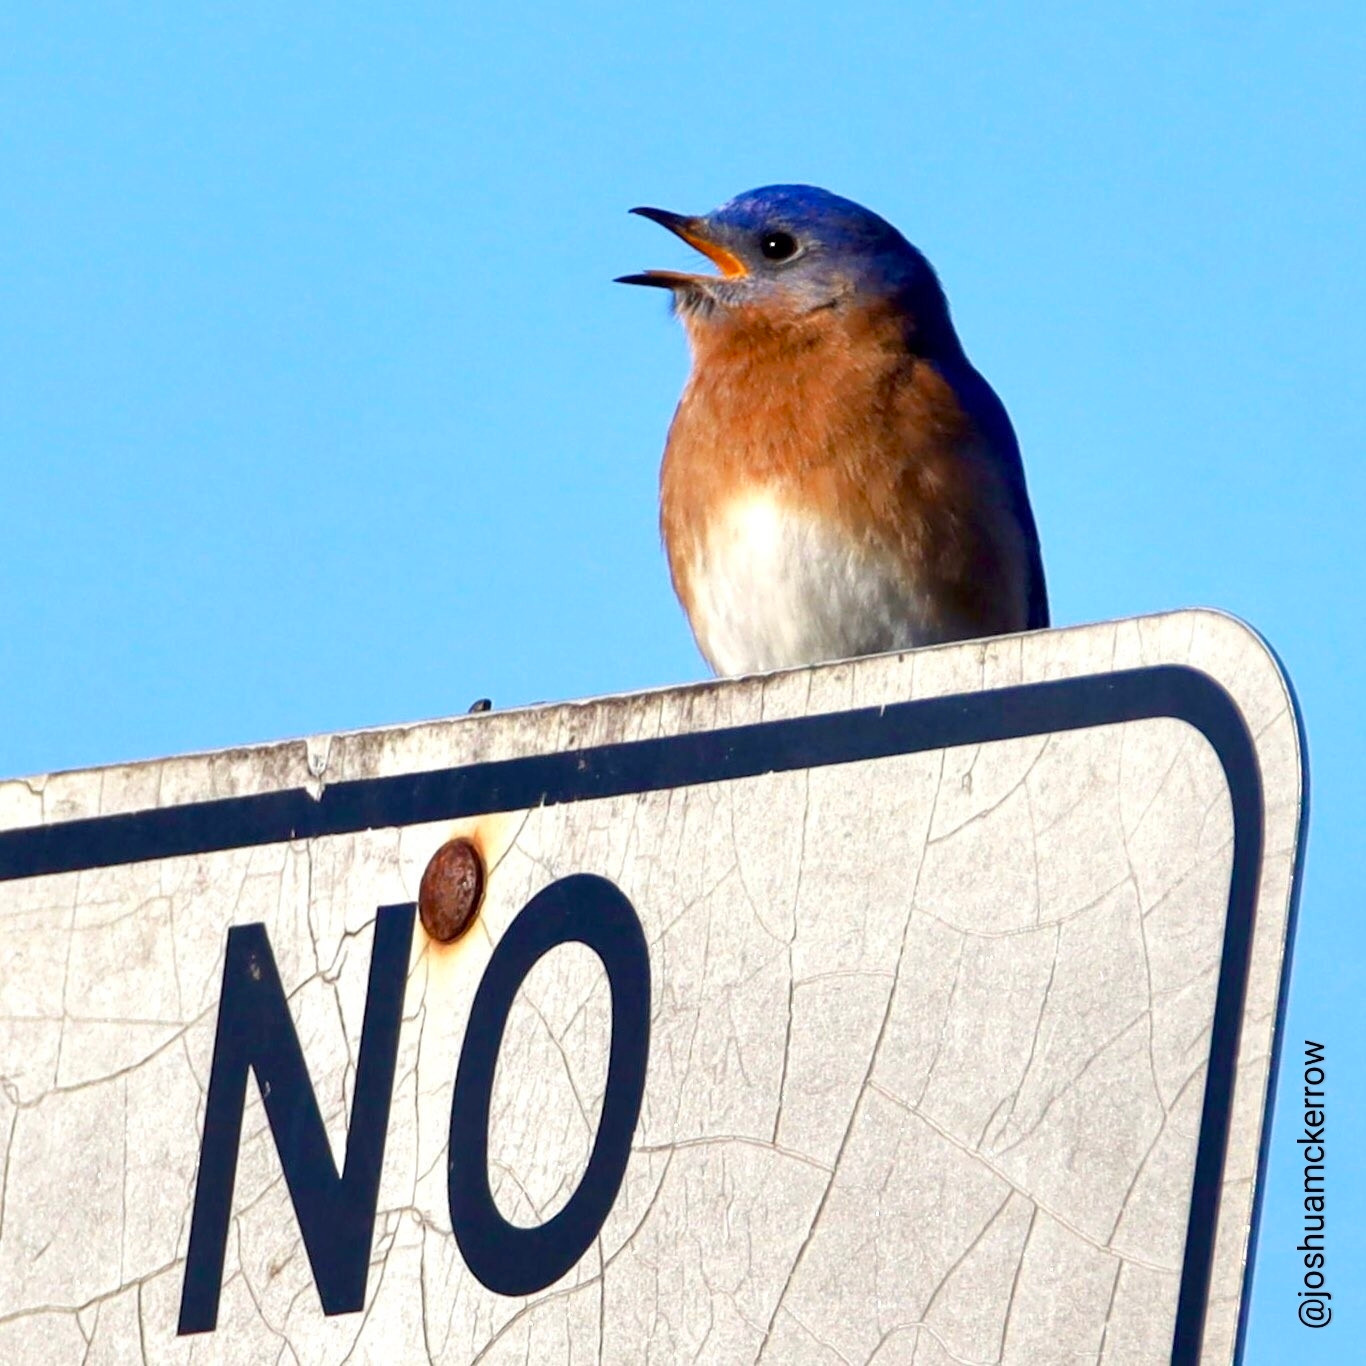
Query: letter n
(336, 1214)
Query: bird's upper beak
(695, 233)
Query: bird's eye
(778, 246)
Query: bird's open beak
(694, 232)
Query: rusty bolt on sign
(451, 890)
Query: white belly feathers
(773, 587)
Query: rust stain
(457, 883)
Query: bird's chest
(769, 585)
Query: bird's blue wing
(989, 414)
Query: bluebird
(838, 479)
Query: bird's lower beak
(694, 232)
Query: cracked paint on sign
(928, 1042)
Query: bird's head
(789, 250)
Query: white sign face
(918, 1008)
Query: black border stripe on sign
(1168, 690)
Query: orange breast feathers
(830, 416)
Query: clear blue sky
(318, 409)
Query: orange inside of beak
(730, 265)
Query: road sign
(918, 1007)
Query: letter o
(582, 909)
(1316, 1079)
